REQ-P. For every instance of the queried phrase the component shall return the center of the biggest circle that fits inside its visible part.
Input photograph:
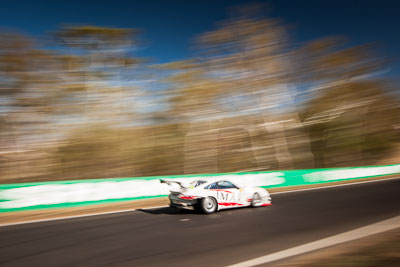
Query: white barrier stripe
(49, 194)
(365, 231)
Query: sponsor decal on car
(223, 195)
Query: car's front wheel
(208, 205)
(256, 200)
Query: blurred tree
(353, 123)
(99, 61)
(329, 60)
(29, 89)
(97, 86)
(94, 151)
(29, 81)
(192, 102)
(352, 113)
(192, 94)
(248, 56)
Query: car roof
(214, 180)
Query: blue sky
(169, 26)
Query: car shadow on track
(174, 211)
(169, 211)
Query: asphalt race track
(165, 237)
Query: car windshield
(197, 183)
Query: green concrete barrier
(62, 194)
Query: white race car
(213, 195)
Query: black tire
(256, 200)
(208, 205)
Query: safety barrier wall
(62, 194)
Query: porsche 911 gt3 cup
(213, 195)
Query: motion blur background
(102, 89)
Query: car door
(227, 194)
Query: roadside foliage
(79, 104)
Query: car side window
(212, 186)
(226, 185)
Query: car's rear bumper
(176, 202)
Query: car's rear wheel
(208, 205)
(256, 200)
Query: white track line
(156, 207)
(365, 231)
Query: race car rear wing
(171, 182)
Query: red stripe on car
(187, 197)
(229, 204)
